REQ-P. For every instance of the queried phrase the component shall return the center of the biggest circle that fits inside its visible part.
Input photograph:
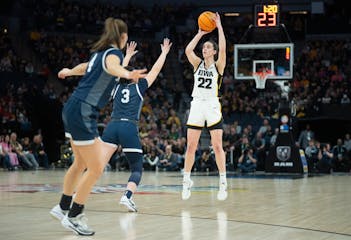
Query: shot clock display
(266, 15)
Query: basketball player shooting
(205, 110)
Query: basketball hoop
(261, 78)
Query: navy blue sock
(65, 202)
(128, 193)
(75, 210)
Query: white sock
(186, 176)
(223, 177)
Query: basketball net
(261, 78)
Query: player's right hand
(202, 32)
(65, 72)
(137, 73)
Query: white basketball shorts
(204, 111)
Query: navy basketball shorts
(80, 121)
(124, 133)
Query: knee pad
(136, 166)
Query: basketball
(206, 21)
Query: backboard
(277, 58)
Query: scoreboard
(266, 15)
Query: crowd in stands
(322, 75)
(88, 17)
(24, 98)
(323, 157)
(22, 153)
(10, 61)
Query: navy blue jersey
(96, 85)
(128, 100)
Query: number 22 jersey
(207, 82)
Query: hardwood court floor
(257, 208)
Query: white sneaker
(77, 224)
(128, 202)
(186, 193)
(57, 212)
(222, 192)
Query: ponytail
(112, 34)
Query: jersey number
(125, 98)
(203, 81)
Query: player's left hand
(218, 20)
(166, 46)
(130, 51)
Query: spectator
(274, 136)
(169, 162)
(305, 136)
(7, 149)
(39, 151)
(347, 142)
(5, 158)
(340, 161)
(259, 145)
(325, 157)
(345, 99)
(206, 162)
(247, 161)
(240, 147)
(311, 153)
(151, 160)
(173, 119)
(18, 149)
(263, 129)
(237, 127)
(28, 152)
(119, 160)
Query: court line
(202, 218)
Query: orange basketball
(206, 21)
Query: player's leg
(70, 181)
(216, 141)
(130, 141)
(215, 126)
(74, 125)
(193, 136)
(195, 123)
(94, 156)
(135, 160)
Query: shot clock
(266, 15)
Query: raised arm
(221, 46)
(130, 52)
(78, 70)
(156, 68)
(189, 50)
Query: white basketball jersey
(207, 82)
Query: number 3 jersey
(207, 82)
(128, 100)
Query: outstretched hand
(166, 46)
(217, 19)
(130, 51)
(65, 72)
